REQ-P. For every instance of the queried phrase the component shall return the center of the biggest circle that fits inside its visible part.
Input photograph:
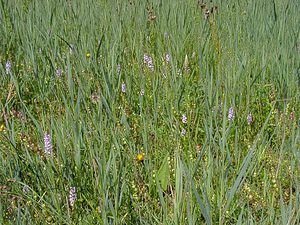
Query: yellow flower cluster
(140, 157)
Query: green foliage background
(246, 55)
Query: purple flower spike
(8, 67)
(230, 114)
(184, 118)
(148, 61)
(183, 132)
(123, 87)
(168, 58)
(58, 72)
(72, 196)
(48, 144)
(249, 119)
(142, 92)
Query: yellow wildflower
(140, 157)
(2, 128)
(88, 55)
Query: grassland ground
(149, 112)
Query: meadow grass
(149, 112)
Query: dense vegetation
(149, 112)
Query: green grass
(245, 56)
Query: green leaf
(164, 173)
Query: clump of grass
(157, 112)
